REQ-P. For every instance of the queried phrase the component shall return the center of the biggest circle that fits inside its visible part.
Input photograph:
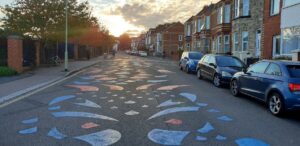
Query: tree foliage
(45, 20)
(125, 41)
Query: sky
(136, 16)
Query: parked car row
(137, 53)
(276, 83)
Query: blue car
(276, 83)
(189, 61)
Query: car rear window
(196, 56)
(294, 71)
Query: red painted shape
(174, 122)
(89, 125)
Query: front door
(258, 43)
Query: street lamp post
(66, 37)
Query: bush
(5, 71)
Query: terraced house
(202, 36)
(188, 27)
(221, 27)
(247, 28)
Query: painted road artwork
(125, 94)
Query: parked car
(127, 51)
(133, 52)
(189, 61)
(143, 54)
(276, 83)
(219, 68)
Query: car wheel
(187, 69)
(180, 67)
(276, 106)
(234, 88)
(199, 76)
(216, 81)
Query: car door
(204, 66)
(211, 67)
(251, 79)
(272, 75)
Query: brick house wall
(271, 28)
(220, 30)
(170, 40)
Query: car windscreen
(196, 56)
(294, 71)
(228, 61)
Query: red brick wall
(171, 41)
(15, 53)
(271, 27)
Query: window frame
(243, 41)
(227, 13)
(236, 8)
(207, 22)
(226, 43)
(272, 7)
(246, 12)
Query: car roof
(192, 52)
(284, 62)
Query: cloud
(149, 13)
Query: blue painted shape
(206, 128)
(81, 83)
(220, 137)
(102, 138)
(202, 104)
(61, 98)
(189, 96)
(30, 121)
(165, 137)
(225, 118)
(87, 78)
(29, 131)
(81, 115)
(54, 108)
(56, 134)
(250, 142)
(89, 103)
(169, 103)
(201, 138)
(175, 110)
(213, 111)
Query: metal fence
(29, 53)
(3, 52)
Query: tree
(45, 20)
(125, 41)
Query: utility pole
(66, 41)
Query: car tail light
(294, 87)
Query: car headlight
(226, 74)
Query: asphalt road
(133, 101)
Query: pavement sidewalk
(41, 77)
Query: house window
(206, 45)
(195, 26)
(180, 37)
(227, 13)
(236, 8)
(219, 44)
(226, 44)
(290, 40)
(245, 38)
(290, 2)
(188, 46)
(207, 22)
(199, 24)
(198, 44)
(188, 30)
(276, 45)
(220, 15)
(235, 41)
(246, 7)
(275, 6)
